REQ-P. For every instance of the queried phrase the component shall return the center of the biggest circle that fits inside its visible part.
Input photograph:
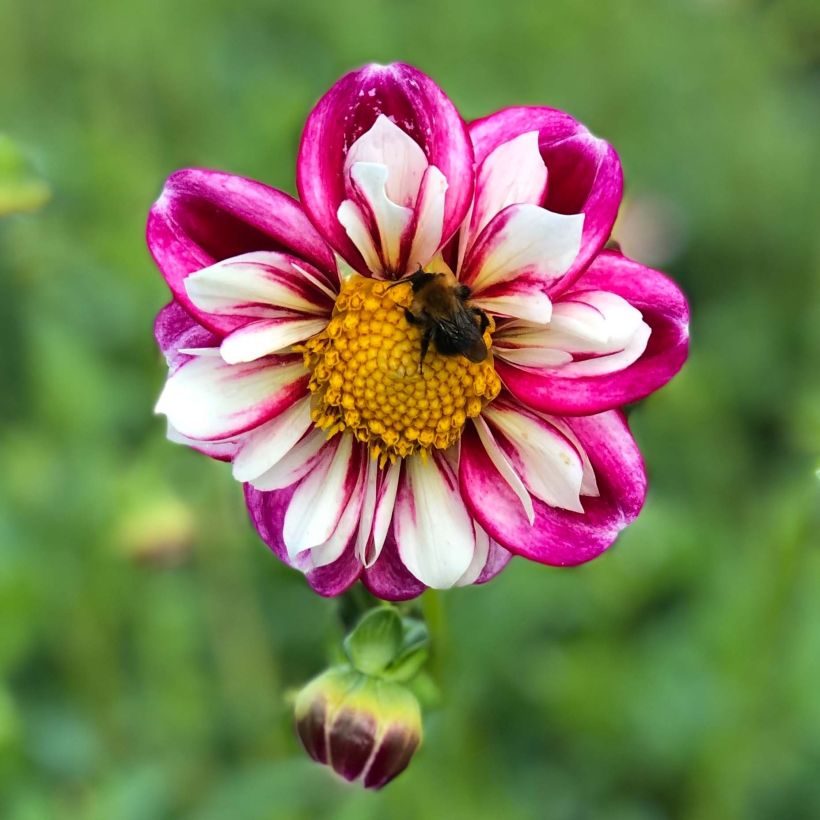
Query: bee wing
(458, 333)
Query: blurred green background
(148, 639)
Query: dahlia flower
(293, 355)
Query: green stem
(432, 608)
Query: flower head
(369, 445)
(363, 727)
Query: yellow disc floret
(365, 375)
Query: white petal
(532, 356)
(433, 530)
(258, 284)
(207, 398)
(368, 508)
(482, 550)
(612, 362)
(295, 464)
(370, 180)
(383, 514)
(222, 449)
(333, 548)
(266, 336)
(524, 239)
(602, 329)
(589, 484)
(268, 444)
(429, 219)
(504, 467)
(532, 306)
(386, 144)
(352, 219)
(317, 505)
(514, 173)
(545, 459)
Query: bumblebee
(440, 308)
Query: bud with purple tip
(357, 717)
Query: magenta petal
(418, 106)
(583, 172)
(497, 559)
(388, 578)
(174, 329)
(557, 536)
(203, 216)
(664, 309)
(267, 513)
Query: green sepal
(413, 653)
(376, 640)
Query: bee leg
(485, 322)
(425, 344)
(411, 317)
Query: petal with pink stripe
(557, 536)
(647, 353)
(584, 172)
(400, 99)
(546, 460)
(267, 512)
(204, 216)
(513, 173)
(321, 498)
(206, 398)
(432, 528)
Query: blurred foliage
(147, 638)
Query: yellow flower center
(365, 375)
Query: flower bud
(364, 728)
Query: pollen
(365, 377)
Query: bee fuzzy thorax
(366, 376)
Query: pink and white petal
(389, 220)
(344, 536)
(417, 106)
(663, 308)
(432, 528)
(388, 578)
(387, 145)
(547, 462)
(512, 173)
(267, 513)
(526, 297)
(533, 357)
(589, 484)
(208, 399)
(429, 219)
(584, 172)
(266, 336)
(320, 499)
(258, 285)
(560, 537)
(497, 559)
(352, 219)
(175, 330)
(590, 333)
(265, 446)
(523, 240)
(480, 554)
(204, 216)
(489, 559)
(502, 464)
(377, 510)
(223, 450)
(295, 464)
